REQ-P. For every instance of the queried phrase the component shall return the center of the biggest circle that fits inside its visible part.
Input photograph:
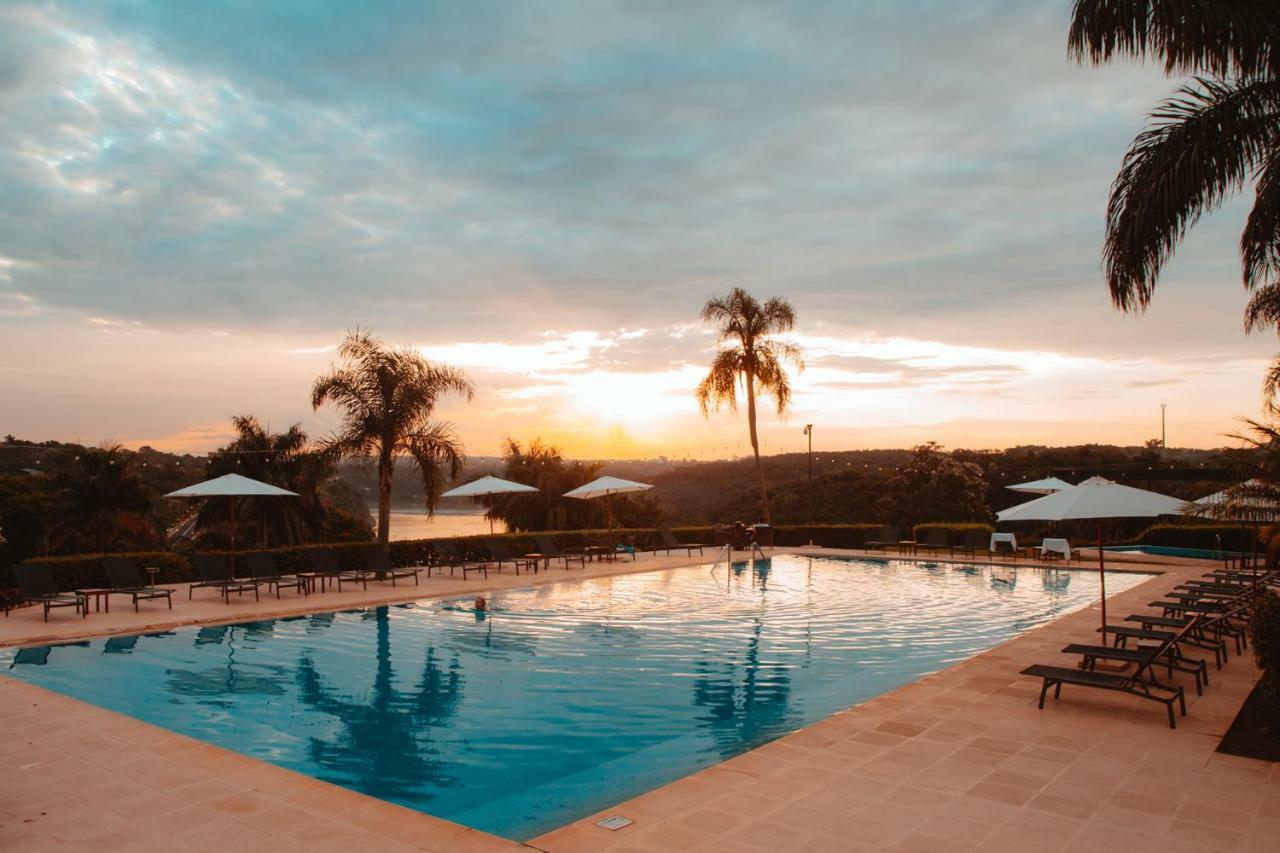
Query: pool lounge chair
(125, 576)
(36, 585)
(671, 543)
(262, 568)
(449, 556)
(380, 564)
(1141, 682)
(887, 537)
(499, 553)
(325, 565)
(975, 542)
(215, 572)
(549, 550)
(935, 540)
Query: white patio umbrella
(232, 486)
(1096, 498)
(607, 487)
(487, 487)
(1047, 486)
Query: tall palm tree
(388, 396)
(1217, 132)
(750, 356)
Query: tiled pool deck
(959, 760)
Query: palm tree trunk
(385, 468)
(755, 447)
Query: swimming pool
(1173, 551)
(565, 698)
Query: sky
(198, 199)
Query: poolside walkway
(958, 760)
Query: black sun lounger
(324, 564)
(450, 557)
(885, 539)
(36, 584)
(551, 551)
(1141, 682)
(671, 543)
(126, 579)
(383, 569)
(215, 571)
(263, 568)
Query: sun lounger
(125, 576)
(448, 556)
(262, 568)
(887, 538)
(549, 550)
(1141, 682)
(935, 540)
(325, 565)
(215, 572)
(499, 553)
(36, 585)
(380, 564)
(975, 542)
(670, 543)
(1172, 659)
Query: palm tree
(284, 459)
(750, 356)
(387, 396)
(1217, 132)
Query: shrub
(1264, 633)
(80, 571)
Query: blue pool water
(564, 699)
(1172, 551)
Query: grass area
(1256, 730)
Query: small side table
(101, 598)
(152, 573)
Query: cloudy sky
(197, 199)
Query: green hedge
(1233, 537)
(956, 532)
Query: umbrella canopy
(230, 485)
(1096, 498)
(1047, 486)
(603, 486)
(607, 487)
(487, 487)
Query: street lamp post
(808, 430)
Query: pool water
(1173, 551)
(566, 698)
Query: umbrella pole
(231, 557)
(490, 513)
(608, 502)
(1102, 583)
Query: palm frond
(1263, 310)
(1260, 243)
(1224, 38)
(1200, 146)
(720, 386)
(1271, 387)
